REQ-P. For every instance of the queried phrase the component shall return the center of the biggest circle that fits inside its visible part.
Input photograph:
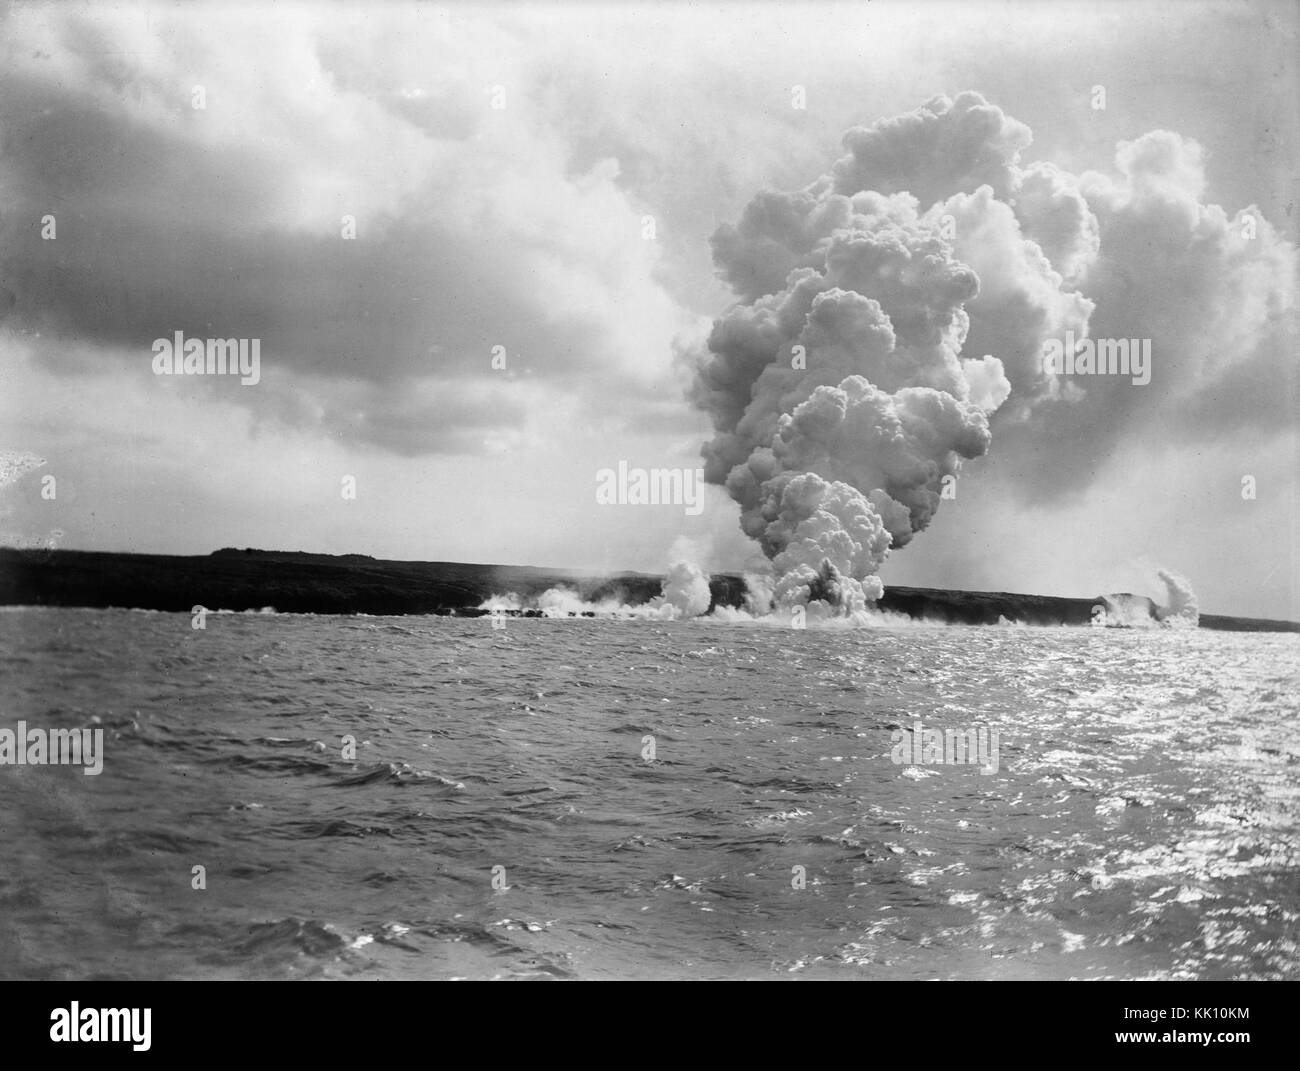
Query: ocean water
(1142, 821)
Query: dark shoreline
(297, 582)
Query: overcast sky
(500, 164)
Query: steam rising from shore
(1138, 611)
(1182, 610)
(685, 594)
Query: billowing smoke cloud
(843, 388)
(895, 309)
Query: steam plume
(1182, 609)
(685, 593)
(842, 402)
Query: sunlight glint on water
(1141, 823)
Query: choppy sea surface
(1142, 822)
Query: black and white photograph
(650, 492)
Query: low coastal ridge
(299, 582)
